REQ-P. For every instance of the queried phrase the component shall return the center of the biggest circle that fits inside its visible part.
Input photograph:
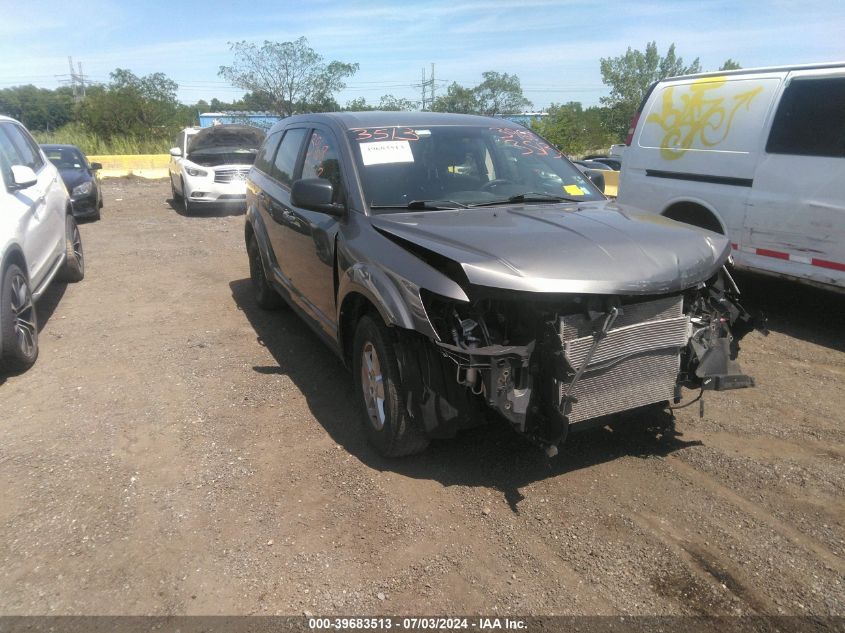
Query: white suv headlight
(83, 189)
(193, 171)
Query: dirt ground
(176, 450)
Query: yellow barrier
(143, 165)
(611, 182)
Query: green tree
(141, 107)
(573, 129)
(457, 99)
(359, 104)
(38, 108)
(730, 64)
(389, 102)
(629, 77)
(500, 93)
(292, 76)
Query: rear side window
(8, 154)
(810, 120)
(264, 160)
(286, 157)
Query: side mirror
(315, 194)
(96, 166)
(597, 178)
(23, 177)
(175, 151)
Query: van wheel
(18, 322)
(73, 269)
(386, 422)
(696, 215)
(265, 296)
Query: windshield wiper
(528, 196)
(430, 205)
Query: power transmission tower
(76, 80)
(427, 85)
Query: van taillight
(630, 138)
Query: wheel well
(355, 305)
(695, 214)
(15, 256)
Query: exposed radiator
(230, 175)
(636, 364)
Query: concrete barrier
(143, 165)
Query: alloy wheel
(23, 314)
(372, 385)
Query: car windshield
(453, 166)
(65, 157)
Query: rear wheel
(18, 322)
(74, 267)
(265, 296)
(386, 422)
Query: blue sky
(554, 46)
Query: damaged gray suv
(461, 266)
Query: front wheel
(174, 195)
(386, 422)
(18, 322)
(187, 206)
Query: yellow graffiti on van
(704, 117)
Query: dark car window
(65, 158)
(321, 161)
(465, 164)
(27, 148)
(810, 120)
(264, 159)
(285, 163)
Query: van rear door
(795, 219)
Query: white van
(756, 154)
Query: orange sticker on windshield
(573, 190)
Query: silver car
(39, 241)
(461, 265)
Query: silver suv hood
(595, 248)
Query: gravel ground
(176, 450)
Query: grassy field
(74, 134)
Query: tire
(187, 207)
(18, 322)
(386, 422)
(174, 195)
(73, 269)
(263, 293)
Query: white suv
(210, 165)
(39, 241)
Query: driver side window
(321, 161)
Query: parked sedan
(461, 265)
(80, 179)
